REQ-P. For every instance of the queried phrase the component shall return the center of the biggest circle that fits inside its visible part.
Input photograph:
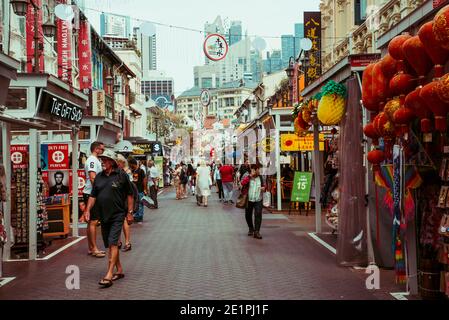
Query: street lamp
(20, 7)
(49, 29)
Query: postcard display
(20, 193)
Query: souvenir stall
(407, 94)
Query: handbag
(242, 201)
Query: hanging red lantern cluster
(437, 54)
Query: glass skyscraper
(299, 34)
(288, 49)
(273, 62)
(235, 32)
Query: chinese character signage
(295, 83)
(306, 143)
(30, 43)
(215, 47)
(312, 30)
(64, 42)
(293, 142)
(19, 156)
(85, 56)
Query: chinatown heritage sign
(58, 108)
(64, 45)
(312, 30)
(215, 47)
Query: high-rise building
(113, 25)
(206, 77)
(288, 49)
(299, 34)
(273, 62)
(256, 65)
(235, 32)
(158, 87)
(148, 48)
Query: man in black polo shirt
(112, 195)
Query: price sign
(302, 184)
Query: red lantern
(402, 118)
(414, 102)
(416, 56)
(301, 123)
(389, 66)
(441, 27)
(380, 84)
(376, 157)
(443, 88)
(371, 133)
(396, 52)
(437, 54)
(430, 96)
(402, 84)
(367, 88)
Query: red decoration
(416, 56)
(396, 52)
(380, 84)
(403, 117)
(437, 54)
(443, 88)
(414, 102)
(376, 157)
(389, 66)
(430, 96)
(402, 84)
(367, 89)
(301, 123)
(371, 133)
(441, 27)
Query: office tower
(235, 32)
(115, 26)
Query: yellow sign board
(293, 142)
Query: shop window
(16, 99)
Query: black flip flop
(105, 283)
(117, 276)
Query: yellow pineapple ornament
(331, 108)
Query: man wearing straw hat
(112, 194)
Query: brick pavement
(183, 251)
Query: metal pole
(278, 163)
(75, 206)
(6, 141)
(317, 172)
(32, 222)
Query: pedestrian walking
(153, 177)
(253, 186)
(93, 168)
(140, 180)
(184, 180)
(203, 183)
(218, 182)
(122, 163)
(112, 194)
(227, 179)
(191, 174)
(177, 181)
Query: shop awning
(20, 124)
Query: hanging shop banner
(59, 109)
(307, 143)
(215, 47)
(312, 30)
(302, 184)
(85, 56)
(30, 43)
(295, 83)
(19, 156)
(159, 163)
(64, 43)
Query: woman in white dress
(203, 181)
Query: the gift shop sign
(19, 156)
(59, 109)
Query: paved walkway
(183, 251)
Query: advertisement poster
(159, 163)
(19, 156)
(302, 184)
(81, 182)
(58, 181)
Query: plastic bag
(147, 201)
(266, 199)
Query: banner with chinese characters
(30, 43)
(296, 83)
(85, 56)
(312, 30)
(64, 43)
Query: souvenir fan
(332, 104)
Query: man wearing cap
(112, 195)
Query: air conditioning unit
(98, 104)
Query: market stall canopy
(124, 146)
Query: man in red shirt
(227, 179)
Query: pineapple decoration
(332, 104)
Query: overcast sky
(180, 50)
